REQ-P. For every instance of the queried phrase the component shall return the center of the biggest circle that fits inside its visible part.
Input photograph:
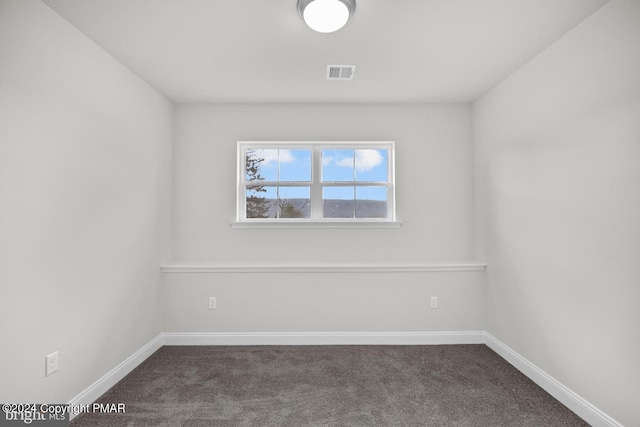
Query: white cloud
(365, 160)
(368, 159)
(286, 156)
(347, 162)
(271, 156)
(268, 156)
(326, 160)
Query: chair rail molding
(344, 267)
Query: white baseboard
(324, 338)
(555, 388)
(566, 396)
(97, 389)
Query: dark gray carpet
(448, 385)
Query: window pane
(371, 165)
(338, 202)
(261, 202)
(261, 164)
(294, 202)
(280, 179)
(295, 165)
(337, 165)
(371, 202)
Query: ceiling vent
(340, 72)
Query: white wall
(557, 157)
(85, 213)
(434, 188)
(85, 182)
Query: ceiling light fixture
(326, 16)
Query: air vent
(340, 72)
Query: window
(315, 182)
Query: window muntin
(315, 181)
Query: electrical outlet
(213, 303)
(51, 364)
(434, 302)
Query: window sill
(316, 224)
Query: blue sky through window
(338, 165)
(371, 193)
(338, 193)
(284, 165)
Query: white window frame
(316, 185)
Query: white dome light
(326, 16)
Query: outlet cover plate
(51, 364)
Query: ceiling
(237, 51)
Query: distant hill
(337, 208)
